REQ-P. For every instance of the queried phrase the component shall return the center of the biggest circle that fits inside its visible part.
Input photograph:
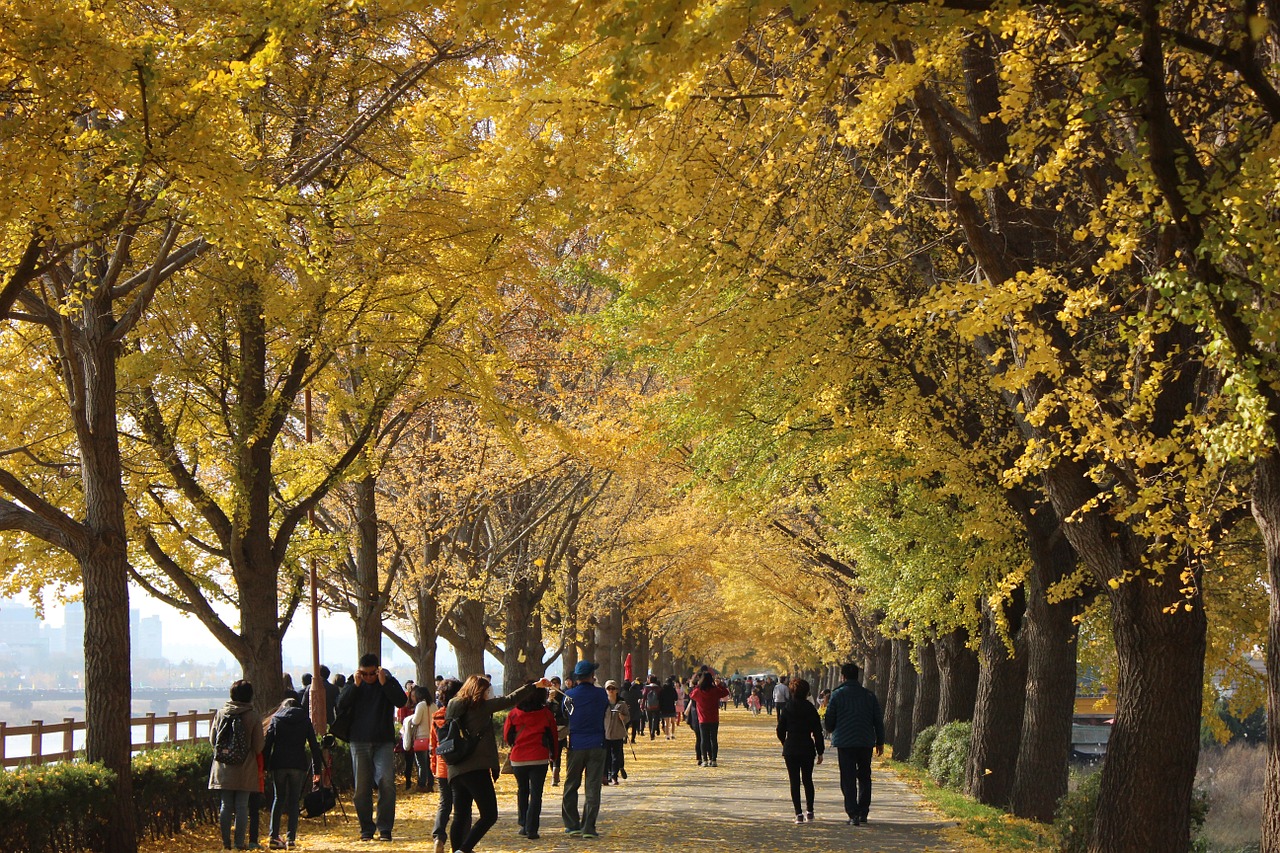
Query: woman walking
(237, 738)
(530, 731)
(413, 733)
(667, 707)
(706, 697)
(403, 713)
(439, 770)
(616, 719)
(800, 730)
(284, 752)
(472, 780)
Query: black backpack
(454, 743)
(231, 744)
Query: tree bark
(958, 672)
(891, 692)
(883, 671)
(997, 717)
(925, 712)
(1266, 512)
(105, 571)
(608, 636)
(905, 699)
(1049, 639)
(370, 604)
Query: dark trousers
(709, 734)
(441, 828)
(530, 780)
(583, 768)
(800, 771)
(615, 759)
(697, 739)
(654, 719)
(855, 779)
(477, 787)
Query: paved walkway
(669, 803)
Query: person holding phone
(616, 722)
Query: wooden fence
(171, 728)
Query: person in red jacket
(531, 732)
(440, 831)
(707, 696)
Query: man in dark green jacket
(856, 725)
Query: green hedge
(922, 749)
(950, 753)
(60, 808)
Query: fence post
(151, 729)
(69, 738)
(193, 737)
(173, 727)
(37, 741)
(3, 738)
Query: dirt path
(670, 804)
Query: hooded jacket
(242, 776)
(289, 733)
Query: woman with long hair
(706, 698)
(531, 732)
(472, 780)
(800, 730)
(414, 728)
(284, 752)
(440, 831)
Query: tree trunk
(925, 712)
(469, 637)
(883, 671)
(369, 603)
(905, 699)
(640, 663)
(424, 658)
(891, 692)
(1049, 640)
(997, 717)
(105, 571)
(1266, 512)
(522, 644)
(958, 673)
(608, 642)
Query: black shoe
(384, 836)
(533, 836)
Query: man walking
(373, 695)
(856, 725)
(586, 705)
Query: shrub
(171, 788)
(923, 748)
(949, 754)
(1074, 820)
(54, 807)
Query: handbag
(319, 801)
(455, 743)
(422, 744)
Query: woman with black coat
(800, 730)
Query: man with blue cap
(587, 705)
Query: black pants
(441, 828)
(709, 735)
(800, 771)
(475, 786)
(654, 719)
(530, 780)
(615, 759)
(855, 779)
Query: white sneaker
(799, 818)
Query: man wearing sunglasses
(373, 695)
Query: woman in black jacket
(284, 755)
(800, 730)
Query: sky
(185, 637)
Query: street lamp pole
(319, 706)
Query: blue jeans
(288, 784)
(589, 763)
(374, 764)
(235, 806)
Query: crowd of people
(446, 738)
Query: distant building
(146, 637)
(73, 639)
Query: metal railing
(68, 736)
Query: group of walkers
(580, 728)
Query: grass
(982, 829)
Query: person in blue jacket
(856, 725)
(587, 706)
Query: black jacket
(800, 728)
(374, 706)
(289, 733)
